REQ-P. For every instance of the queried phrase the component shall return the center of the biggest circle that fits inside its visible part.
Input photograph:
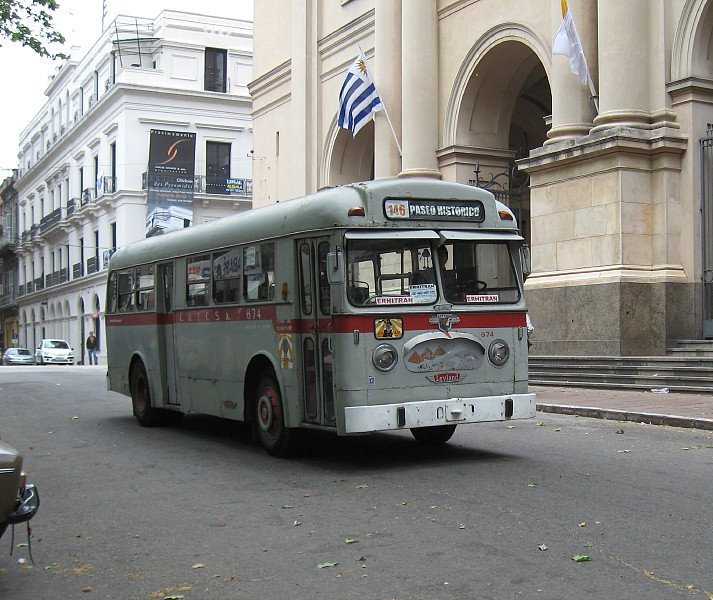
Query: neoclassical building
(611, 192)
(85, 175)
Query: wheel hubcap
(266, 414)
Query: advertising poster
(171, 170)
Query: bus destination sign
(434, 210)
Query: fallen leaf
(287, 506)
(198, 566)
(620, 431)
(362, 487)
(75, 418)
(87, 590)
(327, 565)
(461, 526)
(542, 547)
(532, 485)
(297, 523)
(623, 451)
(349, 541)
(582, 524)
(541, 424)
(580, 558)
(558, 429)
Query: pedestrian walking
(91, 346)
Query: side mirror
(526, 260)
(335, 267)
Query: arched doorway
(498, 112)
(348, 159)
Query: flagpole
(386, 113)
(592, 89)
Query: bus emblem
(445, 322)
(446, 377)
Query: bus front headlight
(385, 357)
(499, 352)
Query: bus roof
(326, 209)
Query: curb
(623, 415)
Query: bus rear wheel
(145, 414)
(270, 418)
(439, 434)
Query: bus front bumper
(428, 413)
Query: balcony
(49, 221)
(105, 185)
(70, 207)
(77, 270)
(230, 186)
(92, 265)
(39, 284)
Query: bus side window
(259, 272)
(112, 300)
(227, 269)
(197, 280)
(145, 287)
(126, 291)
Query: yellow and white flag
(567, 43)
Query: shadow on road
(377, 451)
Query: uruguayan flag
(358, 100)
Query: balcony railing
(49, 221)
(202, 184)
(63, 275)
(70, 207)
(106, 185)
(77, 270)
(39, 284)
(25, 237)
(92, 265)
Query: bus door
(166, 350)
(316, 321)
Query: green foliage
(29, 22)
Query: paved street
(199, 511)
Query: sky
(25, 75)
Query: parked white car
(54, 352)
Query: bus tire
(270, 418)
(432, 436)
(145, 414)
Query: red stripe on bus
(415, 322)
(337, 324)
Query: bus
(385, 305)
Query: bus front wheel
(270, 418)
(141, 397)
(439, 434)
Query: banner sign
(171, 171)
(434, 210)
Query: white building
(84, 157)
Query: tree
(29, 22)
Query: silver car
(19, 500)
(18, 356)
(54, 352)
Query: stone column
(623, 64)
(420, 89)
(387, 78)
(573, 108)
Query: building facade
(609, 190)
(9, 325)
(85, 177)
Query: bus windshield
(403, 271)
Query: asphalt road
(199, 511)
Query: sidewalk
(642, 406)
